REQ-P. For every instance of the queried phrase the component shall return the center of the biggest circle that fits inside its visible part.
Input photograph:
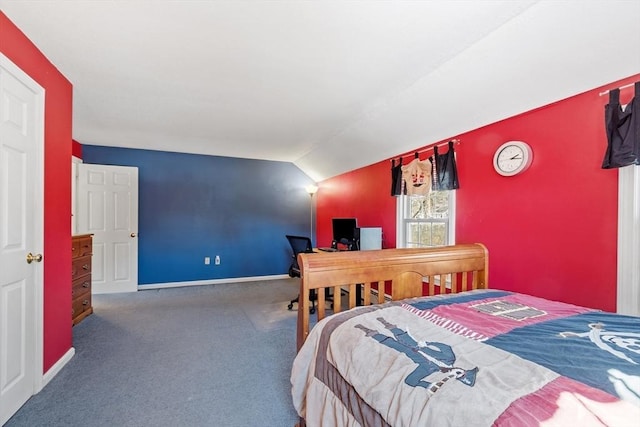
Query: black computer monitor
(344, 229)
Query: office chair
(300, 244)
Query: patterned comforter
(478, 358)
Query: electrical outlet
(217, 260)
(207, 260)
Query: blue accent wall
(192, 206)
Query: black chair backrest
(299, 244)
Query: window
(425, 221)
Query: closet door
(21, 237)
(108, 209)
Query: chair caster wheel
(290, 306)
(312, 310)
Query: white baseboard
(57, 367)
(210, 282)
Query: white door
(108, 209)
(21, 233)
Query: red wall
(363, 194)
(57, 200)
(76, 149)
(550, 231)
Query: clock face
(512, 158)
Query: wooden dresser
(82, 248)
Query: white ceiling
(329, 85)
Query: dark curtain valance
(623, 131)
(438, 172)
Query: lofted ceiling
(328, 85)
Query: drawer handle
(85, 267)
(85, 284)
(85, 302)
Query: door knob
(31, 257)
(133, 234)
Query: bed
(465, 355)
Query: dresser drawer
(81, 246)
(81, 307)
(81, 286)
(80, 267)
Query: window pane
(435, 205)
(438, 234)
(420, 234)
(439, 201)
(418, 207)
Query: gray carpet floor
(217, 355)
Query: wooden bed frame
(404, 271)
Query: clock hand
(517, 156)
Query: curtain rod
(621, 87)
(455, 141)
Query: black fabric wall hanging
(623, 131)
(396, 178)
(444, 170)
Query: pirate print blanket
(477, 358)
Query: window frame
(402, 206)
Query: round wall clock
(512, 157)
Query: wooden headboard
(461, 267)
